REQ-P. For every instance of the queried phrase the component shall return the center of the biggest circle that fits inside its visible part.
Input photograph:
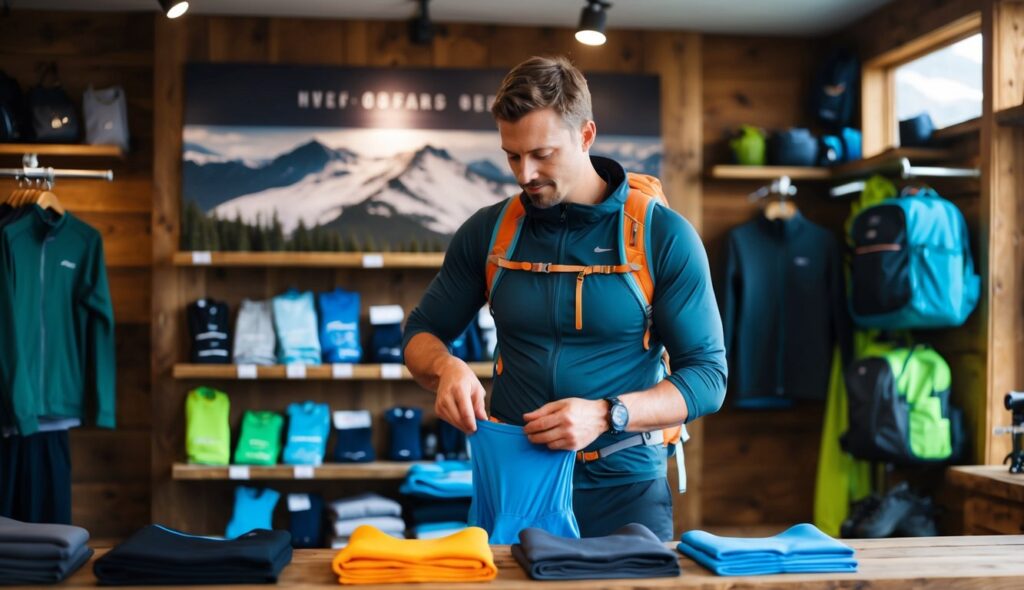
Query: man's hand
(567, 424)
(460, 396)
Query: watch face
(619, 416)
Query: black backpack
(13, 116)
(52, 114)
(834, 93)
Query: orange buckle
(587, 456)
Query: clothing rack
(31, 170)
(781, 186)
(902, 169)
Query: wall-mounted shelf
(431, 260)
(62, 149)
(330, 471)
(1011, 117)
(737, 172)
(962, 129)
(893, 155)
(357, 372)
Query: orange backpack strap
(503, 240)
(644, 194)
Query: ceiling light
(174, 8)
(591, 29)
(421, 30)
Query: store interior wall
(758, 468)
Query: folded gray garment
(255, 340)
(39, 571)
(387, 524)
(31, 540)
(633, 551)
(365, 505)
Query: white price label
(299, 502)
(246, 371)
(295, 370)
(391, 371)
(238, 472)
(304, 472)
(202, 257)
(348, 420)
(373, 261)
(341, 370)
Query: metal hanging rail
(902, 169)
(31, 170)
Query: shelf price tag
(295, 370)
(304, 472)
(238, 472)
(391, 371)
(373, 261)
(202, 257)
(299, 502)
(246, 371)
(342, 370)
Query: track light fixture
(173, 8)
(421, 30)
(592, 19)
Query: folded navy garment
(159, 555)
(42, 571)
(799, 549)
(405, 433)
(40, 541)
(632, 551)
(305, 512)
(435, 510)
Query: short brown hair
(540, 83)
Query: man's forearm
(653, 409)
(425, 356)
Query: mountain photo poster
(311, 158)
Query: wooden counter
(993, 498)
(981, 562)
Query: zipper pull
(564, 211)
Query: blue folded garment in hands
(800, 549)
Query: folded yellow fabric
(374, 557)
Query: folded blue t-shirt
(308, 426)
(800, 549)
(443, 479)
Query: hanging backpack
(52, 114)
(911, 265)
(834, 93)
(899, 409)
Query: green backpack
(899, 409)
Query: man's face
(545, 155)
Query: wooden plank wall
(110, 486)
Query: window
(945, 83)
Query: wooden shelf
(312, 259)
(736, 172)
(358, 471)
(360, 372)
(892, 156)
(1011, 117)
(61, 149)
(968, 127)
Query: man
(558, 376)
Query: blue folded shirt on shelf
(443, 479)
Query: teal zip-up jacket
(545, 358)
(55, 289)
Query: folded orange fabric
(374, 557)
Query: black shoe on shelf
(894, 507)
(919, 522)
(858, 510)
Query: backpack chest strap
(580, 270)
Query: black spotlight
(173, 8)
(591, 29)
(421, 30)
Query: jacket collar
(781, 227)
(575, 214)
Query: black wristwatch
(618, 415)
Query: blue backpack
(911, 265)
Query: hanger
(782, 208)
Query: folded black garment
(159, 555)
(633, 551)
(40, 541)
(42, 571)
(426, 511)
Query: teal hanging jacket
(545, 358)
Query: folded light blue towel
(800, 549)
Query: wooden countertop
(982, 562)
(994, 480)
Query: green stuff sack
(899, 410)
(260, 441)
(207, 431)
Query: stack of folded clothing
(800, 549)
(439, 496)
(159, 555)
(633, 551)
(33, 553)
(372, 557)
(365, 509)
